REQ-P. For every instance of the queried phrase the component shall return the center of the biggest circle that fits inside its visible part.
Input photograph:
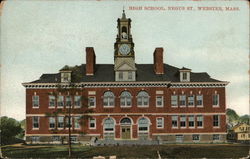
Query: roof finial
(123, 14)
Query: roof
(105, 73)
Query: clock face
(124, 49)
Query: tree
(9, 129)
(70, 90)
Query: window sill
(159, 106)
(126, 106)
(77, 107)
(191, 106)
(146, 106)
(191, 127)
(160, 128)
(216, 106)
(108, 106)
(92, 128)
(35, 107)
(183, 127)
(35, 128)
(216, 127)
(52, 107)
(91, 107)
(199, 106)
(60, 107)
(200, 127)
(60, 128)
(183, 106)
(175, 128)
(174, 106)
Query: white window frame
(109, 100)
(35, 102)
(58, 122)
(174, 102)
(158, 124)
(52, 99)
(217, 97)
(76, 101)
(92, 119)
(120, 75)
(143, 131)
(194, 139)
(59, 100)
(108, 131)
(176, 120)
(197, 96)
(35, 122)
(130, 74)
(198, 117)
(162, 101)
(94, 101)
(143, 99)
(52, 120)
(181, 120)
(76, 122)
(67, 101)
(216, 126)
(66, 122)
(189, 99)
(181, 97)
(126, 98)
(193, 120)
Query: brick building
(145, 103)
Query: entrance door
(125, 132)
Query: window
(143, 99)
(68, 122)
(130, 75)
(125, 121)
(120, 75)
(216, 100)
(35, 121)
(68, 101)
(159, 101)
(73, 139)
(60, 102)
(196, 137)
(199, 100)
(174, 100)
(184, 76)
(109, 125)
(183, 121)
(179, 138)
(77, 100)
(160, 122)
(52, 101)
(35, 138)
(125, 99)
(60, 122)
(216, 120)
(199, 121)
(216, 137)
(56, 138)
(65, 77)
(108, 99)
(182, 100)
(175, 121)
(191, 100)
(76, 122)
(91, 101)
(92, 123)
(35, 101)
(191, 121)
(143, 124)
(52, 122)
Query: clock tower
(124, 56)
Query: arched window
(108, 99)
(143, 125)
(124, 29)
(109, 125)
(142, 99)
(125, 99)
(126, 121)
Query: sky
(43, 36)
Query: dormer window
(184, 74)
(66, 77)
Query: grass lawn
(166, 151)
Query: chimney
(158, 61)
(90, 61)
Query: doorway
(126, 128)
